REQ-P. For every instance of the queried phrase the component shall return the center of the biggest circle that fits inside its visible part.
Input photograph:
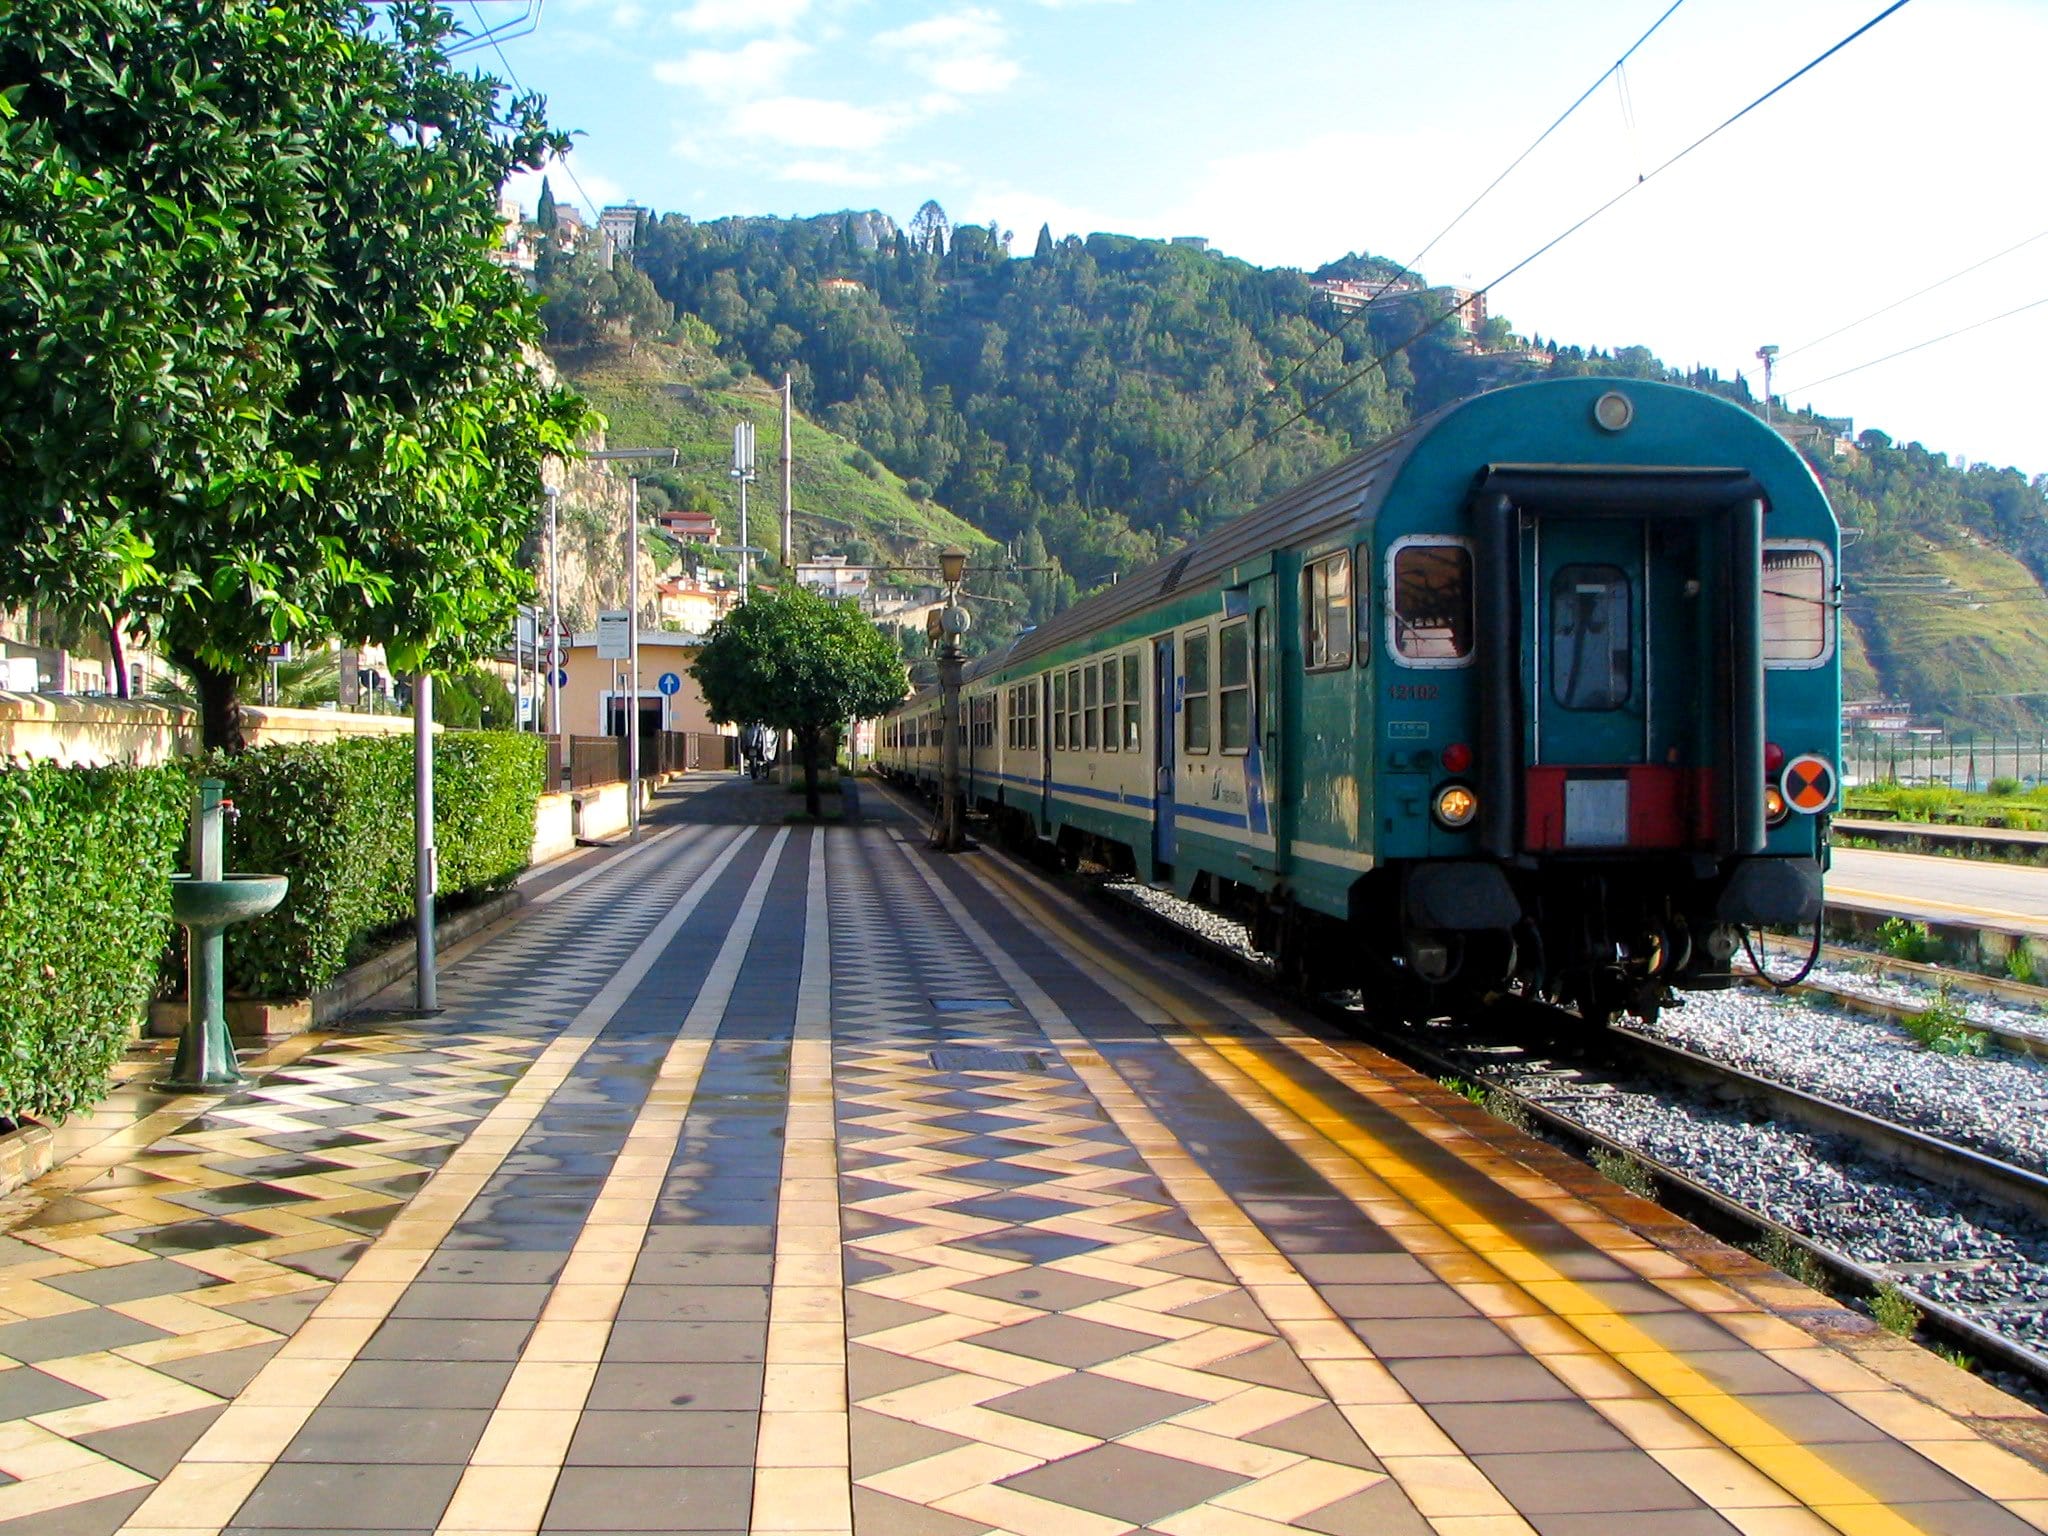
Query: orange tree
(259, 379)
(799, 662)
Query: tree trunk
(220, 708)
(117, 649)
(812, 808)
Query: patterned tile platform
(777, 1180)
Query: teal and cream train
(1543, 692)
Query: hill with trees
(1090, 405)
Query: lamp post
(632, 720)
(554, 627)
(952, 624)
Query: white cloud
(753, 69)
(961, 54)
(809, 122)
(829, 173)
(742, 15)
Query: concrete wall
(266, 727)
(554, 828)
(62, 728)
(601, 812)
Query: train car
(1542, 694)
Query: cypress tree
(544, 214)
(1044, 247)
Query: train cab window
(1326, 613)
(1109, 707)
(1194, 698)
(1088, 716)
(1799, 616)
(1059, 710)
(1429, 602)
(1234, 685)
(1592, 637)
(1131, 725)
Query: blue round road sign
(562, 677)
(670, 684)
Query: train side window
(1059, 711)
(1592, 637)
(1326, 613)
(1234, 685)
(1073, 709)
(1088, 715)
(1429, 602)
(1110, 740)
(1799, 613)
(1194, 699)
(1131, 711)
(1031, 716)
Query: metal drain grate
(967, 1058)
(974, 1005)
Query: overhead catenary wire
(1375, 364)
(1408, 270)
(512, 75)
(1920, 346)
(1841, 330)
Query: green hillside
(1103, 400)
(845, 501)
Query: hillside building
(619, 226)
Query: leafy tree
(258, 377)
(799, 662)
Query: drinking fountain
(207, 903)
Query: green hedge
(85, 862)
(337, 818)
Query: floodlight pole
(1769, 355)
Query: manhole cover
(964, 1058)
(974, 1005)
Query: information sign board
(614, 635)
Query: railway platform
(769, 1178)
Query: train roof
(1325, 501)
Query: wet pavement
(774, 1178)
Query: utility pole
(743, 473)
(788, 505)
(1769, 354)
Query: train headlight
(1775, 808)
(1455, 806)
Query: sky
(1288, 132)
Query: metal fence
(683, 751)
(595, 760)
(557, 755)
(1959, 760)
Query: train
(1539, 696)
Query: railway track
(1970, 1174)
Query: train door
(1165, 731)
(1615, 682)
(1045, 752)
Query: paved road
(1938, 889)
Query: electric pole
(1769, 354)
(743, 472)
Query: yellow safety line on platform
(1442, 1482)
(207, 1488)
(803, 1478)
(513, 1470)
(1807, 1476)
(1892, 901)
